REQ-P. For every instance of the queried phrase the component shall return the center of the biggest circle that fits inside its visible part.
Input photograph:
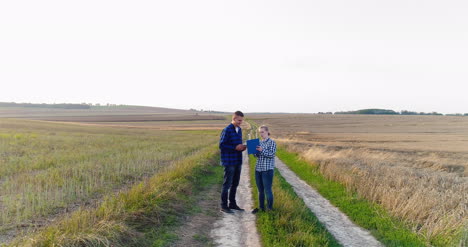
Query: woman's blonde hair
(265, 128)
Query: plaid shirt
(266, 158)
(227, 143)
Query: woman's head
(264, 131)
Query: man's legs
(228, 179)
(235, 183)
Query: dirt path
(195, 232)
(238, 229)
(337, 223)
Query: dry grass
(414, 166)
(47, 169)
(138, 216)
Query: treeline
(370, 111)
(392, 112)
(208, 111)
(404, 112)
(43, 105)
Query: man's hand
(259, 148)
(241, 147)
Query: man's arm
(224, 141)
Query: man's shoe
(235, 207)
(226, 210)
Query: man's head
(237, 118)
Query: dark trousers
(231, 181)
(264, 182)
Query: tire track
(238, 229)
(336, 222)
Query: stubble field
(50, 169)
(416, 167)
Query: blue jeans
(264, 182)
(231, 181)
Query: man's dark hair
(239, 113)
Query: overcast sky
(252, 55)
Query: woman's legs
(264, 181)
(261, 190)
(267, 178)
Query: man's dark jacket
(227, 143)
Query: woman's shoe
(256, 210)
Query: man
(231, 147)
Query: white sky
(251, 55)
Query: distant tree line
(405, 112)
(43, 105)
(61, 105)
(457, 114)
(392, 112)
(209, 111)
(370, 111)
(107, 105)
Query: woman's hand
(259, 148)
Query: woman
(264, 168)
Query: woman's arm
(270, 150)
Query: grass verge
(143, 216)
(291, 223)
(388, 230)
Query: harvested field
(48, 169)
(26, 112)
(107, 114)
(414, 166)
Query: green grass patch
(291, 223)
(387, 229)
(146, 215)
(202, 239)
